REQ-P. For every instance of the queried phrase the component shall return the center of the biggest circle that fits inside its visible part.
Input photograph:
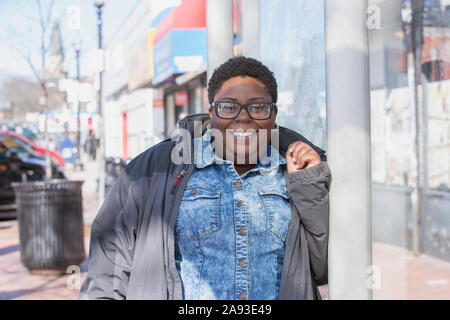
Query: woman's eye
(258, 108)
(228, 107)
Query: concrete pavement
(403, 276)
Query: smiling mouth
(241, 133)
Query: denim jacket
(231, 230)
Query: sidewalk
(401, 274)
(15, 280)
(406, 277)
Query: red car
(58, 159)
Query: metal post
(220, 35)
(78, 162)
(414, 78)
(349, 157)
(101, 192)
(44, 108)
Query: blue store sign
(180, 43)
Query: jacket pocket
(278, 212)
(199, 213)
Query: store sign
(188, 64)
(162, 60)
(158, 103)
(178, 52)
(138, 63)
(181, 98)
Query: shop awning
(190, 14)
(180, 41)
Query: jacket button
(241, 231)
(237, 185)
(242, 295)
(241, 263)
(193, 191)
(240, 203)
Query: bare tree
(43, 23)
(12, 89)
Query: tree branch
(49, 12)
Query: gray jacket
(132, 249)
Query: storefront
(137, 118)
(179, 60)
(410, 119)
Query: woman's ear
(210, 110)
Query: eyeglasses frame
(273, 106)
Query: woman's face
(237, 148)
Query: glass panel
(410, 136)
(292, 46)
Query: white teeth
(243, 134)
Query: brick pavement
(402, 275)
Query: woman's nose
(243, 115)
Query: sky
(17, 28)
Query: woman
(247, 218)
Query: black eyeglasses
(230, 110)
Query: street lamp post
(101, 192)
(78, 162)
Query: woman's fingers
(290, 163)
(299, 152)
(301, 156)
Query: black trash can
(50, 216)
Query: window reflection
(293, 47)
(410, 86)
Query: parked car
(29, 155)
(42, 151)
(14, 169)
(19, 165)
(26, 132)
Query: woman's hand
(301, 156)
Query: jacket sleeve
(308, 190)
(112, 244)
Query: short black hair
(244, 67)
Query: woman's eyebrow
(228, 98)
(234, 99)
